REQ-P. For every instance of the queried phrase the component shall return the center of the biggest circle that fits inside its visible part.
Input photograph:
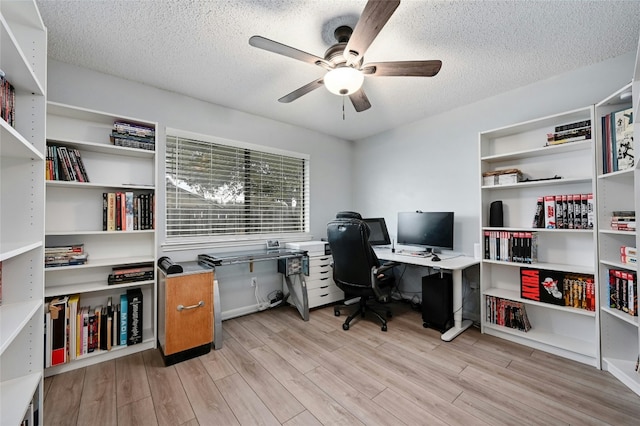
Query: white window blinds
(215, 189)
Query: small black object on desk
(435, 258)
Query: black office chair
(356, 269)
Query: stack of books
(507, 246)
(7, 100)
(571, 211)
(131, 273)
(628, 255)
(623, 220)
(65, 255)
(623, 291)
(617, 141)
(73, 330)
(133, 135)
(507, 313)
(65, 163)
(572, 132)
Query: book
(124, 309)
(58, 307)
(542, 285)
(623, 136)
(128, 211)
(134, 316)
(538, 217)
(549, 212)
(111, 211)
(73, 337)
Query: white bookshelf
(565, 331)
(23, 57)
(74, 215)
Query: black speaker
(437, 302)
(495, 214)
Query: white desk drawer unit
(321, 289)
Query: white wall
(330, 157)
(433, 164)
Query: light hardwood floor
(275, 369)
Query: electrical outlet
(254, 281)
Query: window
(230, 191)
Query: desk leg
(217, 317)
(301, 305)
(459, 325)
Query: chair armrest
(376, 279)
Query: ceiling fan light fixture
(343, 81)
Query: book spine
(129, 210)
(124, 304)
(134, 316)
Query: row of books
(521, 247)
(558, 288)
(133, 135)
(73, 330)
(623, 220)
(617, 141)
(623, 291)
(65, 163)
(126, 211)
(507, 313)
(7, 100)
(571, 211)
(628, 255)
(131, 273)
(572, 132)
(73, 254)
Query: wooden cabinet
(23, 58)
(566, 331)
(185, 312)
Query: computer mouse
(435, 258)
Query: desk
(455, 265)
(291, 263)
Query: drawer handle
(325, 286)
(324, 278)
(324, 272)
(199, 305)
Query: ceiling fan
(344, 60)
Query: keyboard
(413, 253)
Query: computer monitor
(432, 230)
(379, 235)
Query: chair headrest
(348, 215)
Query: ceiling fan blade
(374, 16)
(291, 52)
(360, 101)
(402, 68)
(302, 91)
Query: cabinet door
(188, 325)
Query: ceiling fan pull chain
(343, 107)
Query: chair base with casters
(363, 308)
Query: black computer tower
(437, 301)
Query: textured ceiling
(201, 49)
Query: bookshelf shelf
(23, 56)
(553, 182)
(621, 315)
(104, 149)
(578, 269)
(13, 318)
(110, 169)
(624, 370)
(93, 185)
(550, 341)
(14, 145)
(16, 395)
(102, 356)
(539, 152)
(562, 330)
(92, 287)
